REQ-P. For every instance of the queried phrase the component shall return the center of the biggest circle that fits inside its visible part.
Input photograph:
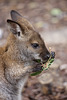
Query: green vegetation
(44, 66)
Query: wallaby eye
(35, 45)
(18, 33)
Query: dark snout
(48, 55)
(52, 55)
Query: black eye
(35, 45)
(18, 33)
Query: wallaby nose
(52, 54)
(47, 56)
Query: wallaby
(18, 58)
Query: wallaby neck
(19, 87)
(14, 91)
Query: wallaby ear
(14, 27)
(15, 15)
(20, 19)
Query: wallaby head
(28, 44)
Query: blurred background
(49, 18)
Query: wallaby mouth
(37, 68)
(39, 62)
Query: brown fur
(17, 57)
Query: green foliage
(45, 66)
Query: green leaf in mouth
(38, 60)
(44, 66)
